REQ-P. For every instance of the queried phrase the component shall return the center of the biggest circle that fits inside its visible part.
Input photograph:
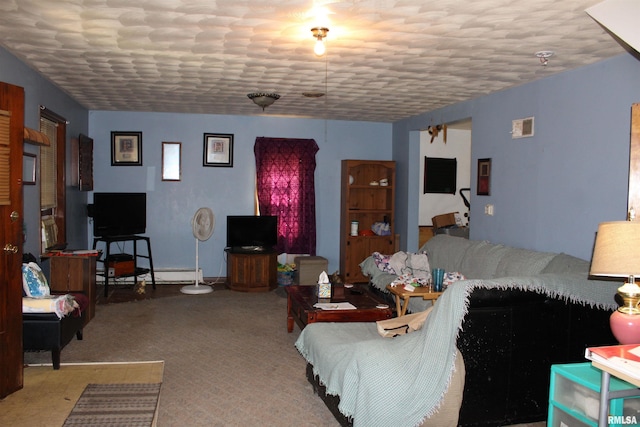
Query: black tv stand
(108, 240)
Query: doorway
(458, 147)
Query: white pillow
(34, 282)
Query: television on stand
(251, 233)
(118, 214)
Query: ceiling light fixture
(544, 56)
(313, 94)
(319, 33)
(263, 99)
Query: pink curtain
(285, 183)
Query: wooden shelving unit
(364, 200)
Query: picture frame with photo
(218, 150)
(126, 148)
(484, 177)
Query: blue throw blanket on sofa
(402, 380)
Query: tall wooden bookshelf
(364, 200)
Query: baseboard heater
(161, 276)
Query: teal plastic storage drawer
(574, 396)
(559, 418)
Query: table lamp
(617, 254)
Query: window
(285, 187)
(52, 185)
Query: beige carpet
(229, 360)
(49, 396)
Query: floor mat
(116, 404)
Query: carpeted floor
(126, 292)
(229, 360)
(49, 396)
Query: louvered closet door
(11, 136)
(5, 155)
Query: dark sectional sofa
(525, 311)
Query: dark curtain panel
(285, 184)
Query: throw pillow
(419, 264)
(34, 283)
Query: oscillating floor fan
(202, 225)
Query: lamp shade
(617, 249)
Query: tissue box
(324, 290)
(309, 268)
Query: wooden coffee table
(300, 301)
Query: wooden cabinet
(75, 274)
(252, 272)
(367, 197)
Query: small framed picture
(29, 169)
(126, 148)
(484, 177)
(218, 149)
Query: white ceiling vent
(522, 128)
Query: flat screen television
(119, 214)
(251, 233)
(440, 175)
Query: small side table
(606, 394)
(401, 294)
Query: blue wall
(552, 190)
(549, 191)
(228, 191)
(39, 91)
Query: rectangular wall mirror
(171, 170)
(29, 169)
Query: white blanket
(61, 305)
(401, 381)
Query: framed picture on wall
(484, 177)
(218, 149)
(126, 148)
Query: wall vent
(522, 128)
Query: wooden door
(11, 137)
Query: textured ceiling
(386, 59)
